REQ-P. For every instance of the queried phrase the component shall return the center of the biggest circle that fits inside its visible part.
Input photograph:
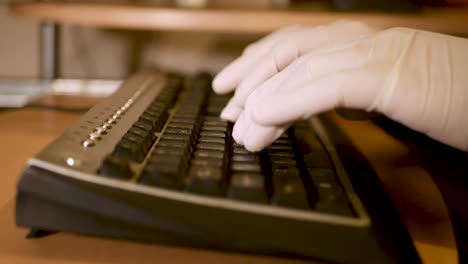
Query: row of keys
(286, 177)
(329, 196)
(247, 181)
(140, 137)
(135, 144)
(207, 174)
(171, 157)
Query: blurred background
(88, 52)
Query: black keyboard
(154, 162)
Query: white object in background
(17, 93)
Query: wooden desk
(25, 132)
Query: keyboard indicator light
(70, 162)
(101, 130)
(111, 121)
(94, 136)
(106, 126)
(88, 143)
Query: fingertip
(258, 137)
(222, 84)
(236, 135)
(229, 77)
(239, 128)
(230, 113)
(253, 145)
(232, 110)
(237, 139)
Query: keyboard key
(185, 120)
(283, 162)
(330, 192)
(212, 140)
(206, 180)
(156, 119)
(179, 131)
(214, 110)
(181, 125)
(316, 158)
(154, 111)
(163, 173)
(282, 155)
(310, 148)
(214, 119)
(166, 159)
(139, 141)
(115, 167)
(142, 134)
(246, 166)
(253, 158)
(172, 151)
(184, 144)
(174, 137)
(289, 190)
(280, 148)
(213, 154)
(156, 107)
(240, 150)
(220, 129)
(319, 175)
(128, 150)
(187, 114)
(215, 123)
(247, 186)
(212, 146)
(213, 134)
(197, 161)
(331, 199)
(282, 141)
(149, 128)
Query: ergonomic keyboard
(153, 162)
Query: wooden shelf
(446, 20)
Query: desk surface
(154, 17)
(25, 132)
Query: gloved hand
(414, 77)
(268, 56)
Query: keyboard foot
(38, 233)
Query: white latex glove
(268, 56)
(417, 78)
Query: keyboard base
(132, 217)
(49, 201)
(154, 163)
